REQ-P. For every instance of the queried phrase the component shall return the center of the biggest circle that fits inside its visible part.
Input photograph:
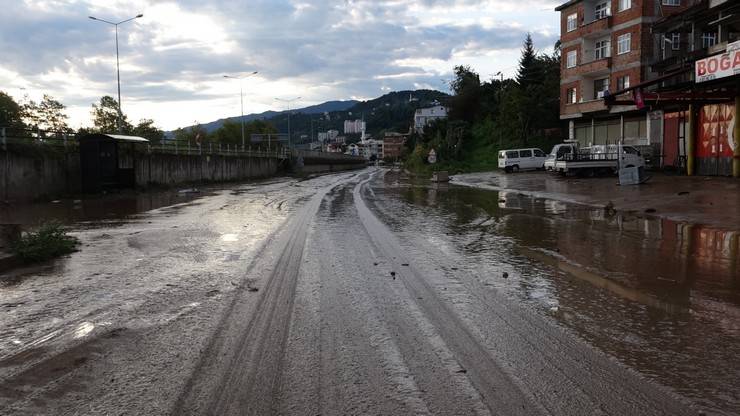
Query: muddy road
(364, 293)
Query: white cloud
(173, 59)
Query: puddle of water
(104, 208)
(83, 329)
(229, 238)
(661, 296)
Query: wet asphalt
(368, 293)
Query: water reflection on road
(662, 297)
(103, 209)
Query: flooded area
(662, 297)
(103, 209)
(356, 293)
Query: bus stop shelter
(107, 161)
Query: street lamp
(500, 88)
(241, 95)
(288, 101)
(118, 69)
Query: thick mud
(661, 296)
(365, 293)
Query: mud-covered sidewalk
(699, 200)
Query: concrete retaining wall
(166, 169)
(29, 177)
(32, 177)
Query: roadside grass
(479, 155)
(49, 241)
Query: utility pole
(118, 67)
(500, 89)
(288, 101)
(241, 99)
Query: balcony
(585, 107)
(595, 67)
(596, 28)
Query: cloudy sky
(173, 58)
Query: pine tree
(527, 73)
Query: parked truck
(570, 158)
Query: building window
(624, 43)
(572, 22)
(625, 5)
(571, 59)
(623, 82)
(602, 10)
(708, 39)
(602, 49)
(571, 97)
(676, 41)
(671, 2)
(600, 87)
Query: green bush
(49, 241)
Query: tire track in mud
(500, 393)
(584, 381)
(240, 370)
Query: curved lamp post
(288, 101)
(241, 95)
(118, 69)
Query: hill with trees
(495, 114)
(391, 112)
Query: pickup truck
(571, 159)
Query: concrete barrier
(305, 162)
(43, 175)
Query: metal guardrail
(70, 142)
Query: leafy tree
(230, 132)
(11, 113)
(46, 115)
(147, 130)
(464, 105)
(105, 117)
(497, 113)
(193, 135)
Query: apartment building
(424, 116)
(354, 126)
(393, 145)
(699, 72)
(607, 46)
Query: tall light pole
(241, 95)
(500, 88)
(118, 68)
(288, 101)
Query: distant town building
(393, 145)
(372, 147)
(333, 148)
(424, 116)
(328, 136)
(354, 126)
(353, 150)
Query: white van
(514, 160)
